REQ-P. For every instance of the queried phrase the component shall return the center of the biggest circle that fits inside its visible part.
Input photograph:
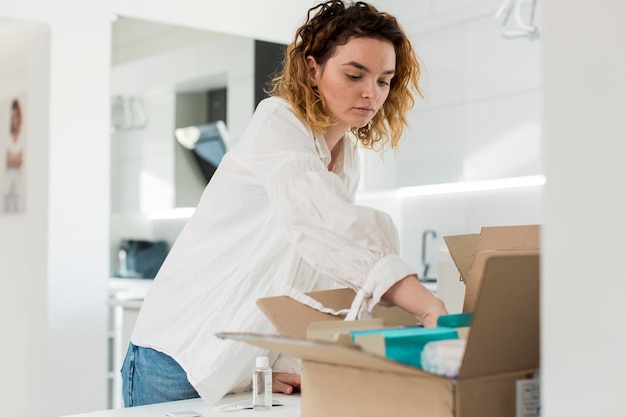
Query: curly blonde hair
(333, 23)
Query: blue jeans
(149, 376)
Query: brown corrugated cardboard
(470, 252)
(502, 346)
(293, 318)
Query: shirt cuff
(385, 273)
(287, 364)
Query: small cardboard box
(500, 267)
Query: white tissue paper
(443, 357)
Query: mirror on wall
(170, 77)
(166, 77)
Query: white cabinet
(125, 298)
(450, 288)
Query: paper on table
(241, 405)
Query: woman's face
(355, 80)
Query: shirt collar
(324, 153)
(322, 149)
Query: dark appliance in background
(268, 59)
(140, 258)
(207, 142)
(216, 105)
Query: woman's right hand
(412, 296)
(433, 311)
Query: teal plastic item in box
(405, 344)
(455, 320)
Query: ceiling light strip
(456, 187)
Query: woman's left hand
(285, 383)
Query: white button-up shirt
(272, 217)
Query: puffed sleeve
(355, 245)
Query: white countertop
(291, 408)
(128, 292)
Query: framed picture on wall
(12, 156)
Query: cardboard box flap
(462, 249)
(339, 330)
(505, 324)
(469, 251)
(292, 318)
(325, 352)
(473, 286)
(509, 238)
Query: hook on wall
(513, 8)
(127, 113)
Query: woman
(279, 213)
(14, 159)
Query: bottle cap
(262, 362)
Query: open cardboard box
(500, 267)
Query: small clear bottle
(262, 385)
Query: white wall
(24, 51)
(242, 18)
(58, 249)
(582, 286)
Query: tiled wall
(481, 115)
